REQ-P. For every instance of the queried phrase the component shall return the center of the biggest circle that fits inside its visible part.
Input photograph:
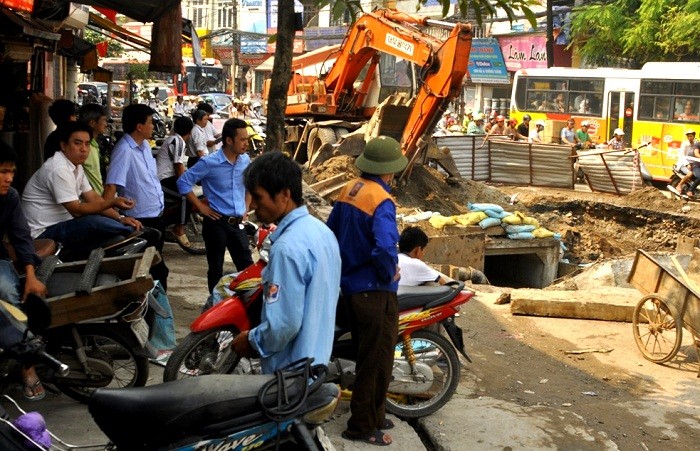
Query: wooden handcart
(670, 304)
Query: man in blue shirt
(363, 220)
(221, 175)
(302, 279)
(133, 174)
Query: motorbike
(159, 126)
(256, 137)
(426, 365)
(678, 174)
(213, 412)
(102, 341)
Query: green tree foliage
(114, 48)
(632, 32)
(281, 71)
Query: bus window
(520, 93)
(688, 110)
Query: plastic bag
(484, 207)
(164, 325)
(489, 222)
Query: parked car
(220, 101)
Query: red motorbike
(426, 365)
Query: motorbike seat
(424, 296)
(153, 416)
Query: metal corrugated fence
(614, 172)
(504, 161)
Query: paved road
(521, 392)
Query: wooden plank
(331, 181)
(103, 301)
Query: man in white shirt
(682, 164)
(170, 163)
(197, 144)
(209, 130)
(179, 107)
(60, 204)
(536, 133)
(414, 271)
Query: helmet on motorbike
(526, 117)
(256, 105)
(500, 118)
(478, 117)
(539, 123)
(585, 124)
(619, 132)
(689, 131)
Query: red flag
(108, 13)
(102, 48)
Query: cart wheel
(657, 328)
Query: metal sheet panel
(615, 172)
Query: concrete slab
(403, 435)
(602, 303)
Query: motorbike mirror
(38, 314)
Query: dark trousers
(374, 323)
(219, 236)
(173, 197)
(159, 271)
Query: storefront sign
(253, 19)
(524, 51)
(19, 5)
(486, 62)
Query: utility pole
(550, 34)
(236, 42)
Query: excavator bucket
(443, 157)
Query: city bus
(655, 104)
(193, 79)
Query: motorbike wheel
(437, 352)
(109, 346)
(207, 352)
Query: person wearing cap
(301, 281)
(476, 127)
(363, 220)
(584, 139)
(535, 135)
(695, 166)
(524, 127)
(179, 107)
(443, 123)
(568, 134)
(498, 128)
(468, 118)
(616, 142)
(682, 164)
(511, 130)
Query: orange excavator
(390, 77)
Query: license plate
(140, 329)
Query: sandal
(388, 424)
(375, 437)
(183, 240)
(34, 392)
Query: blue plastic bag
(164, 326)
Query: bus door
(620, 113)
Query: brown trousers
(374, 323)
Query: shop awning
(121, 34)
(77, 48)
(18, 24)
(141, 10)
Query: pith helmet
(382, 155)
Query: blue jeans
(9, 282)
(87, 231)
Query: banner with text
(524, 51)
(486, 62)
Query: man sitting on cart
(61, 205)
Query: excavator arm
(442, 65)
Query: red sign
(253, 59)
(20, 5)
